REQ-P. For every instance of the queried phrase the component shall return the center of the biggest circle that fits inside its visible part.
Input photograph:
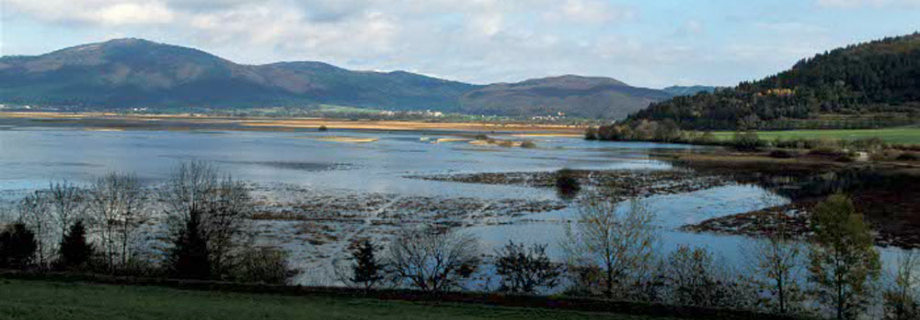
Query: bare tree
(432, 260)
(34, 214)
(777, 261)
(525, 270)
(118, 209)
(224, 205)
(621, 241)
(66, 204)
(902, 298)
(694, 277)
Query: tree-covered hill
(131, 73)
(865, 85)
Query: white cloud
(590, 11)
(102, 12)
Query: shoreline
(111, 121)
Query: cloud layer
(471, 40)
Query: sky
(651, 43)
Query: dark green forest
(868, 85)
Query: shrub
(524, 270)
(432, 260)
(693, 278)
(528, 145)
(261, 265)
(781, 154)
(322, 128)
(747, 141)
(907, 156)
(567, 184)
(591, 133)
(17, 246)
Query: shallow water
(30, 157)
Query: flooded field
(319, 192)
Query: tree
(432, 260)
(75, 250)
(902, 298)
(524, 270)
(367, 270)
(118, 209)
(223, 206)
(843, 260)
(66, 204)
(190, 257)
(777, 259)
(622, 242)
(17, 246)
(693, 278)
(33, 212)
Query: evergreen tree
(17, 246)
(75, 251)
(189, 257)
(367, 270)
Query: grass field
(36, 300)
(908, 135)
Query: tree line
(608, 252)
(879, 77)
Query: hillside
(867, 85)
(688, 90)
(127, 73)
(587, 97)
(140, 73)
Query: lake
(290, 168)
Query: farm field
(904, 135)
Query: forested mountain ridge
(597, 97)
(139, 73)
(863, 85)
(130, 73)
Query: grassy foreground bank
(904, 135)
(21, 299)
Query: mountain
(126, 73)
(688, 90)
(587, 97)
(866, 85)
(140, 73)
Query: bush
(591, 133)
(528, 145)
(322, 128)
(261, 265)
(747, 141)
(432, 260)
(17, 246)
(781, 154)
(567, 184)
(524, 270)
(907, 156)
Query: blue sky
(653, 43)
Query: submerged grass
(39, 300)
